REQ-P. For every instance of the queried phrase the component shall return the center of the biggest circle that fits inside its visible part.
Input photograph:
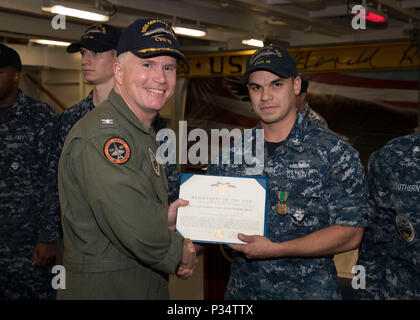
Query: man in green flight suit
(119, 239)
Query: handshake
(189, 259)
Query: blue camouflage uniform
(69, 118)
(325, 183)
(390, 251)
(73, 114)
(29, 207)
(314, 116)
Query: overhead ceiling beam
(36, 27)
(193, 12)
(393, 5)
(296, 18)
(408, 4)
(330, 11)
(220, 23)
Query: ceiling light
(373, 15)
(192, 32)
(77, 13)
(50, 42)
(253, 42)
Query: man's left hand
(256, 247)
(173, 211)
(44, 253)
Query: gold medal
(282, 208)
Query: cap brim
(74, 47)
(245, 76)
(91, 45)
(145, 53)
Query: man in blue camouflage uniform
(390, 251)
(29, 207)
(303, 105)
(98, 47)
(317, 194)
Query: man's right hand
(189, 260)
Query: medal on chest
(282, 206)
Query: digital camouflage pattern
(69, 118)
(325, 183)
(29, 207)
(73, 114)
(390, 250)
(314, 116)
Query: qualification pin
(282, 206)
(155, 163)
(404, 228)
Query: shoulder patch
(117, 150)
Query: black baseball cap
(272, 58)
(150, 37)
(9, 57)
(98, 38)
(304, 84)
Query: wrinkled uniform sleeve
(46, 180)
(346, 188)
(125, 207)
(378, 187)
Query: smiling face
(273, 98)
(97, 67)
(145, 84)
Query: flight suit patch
(155, 163)
(117, 150)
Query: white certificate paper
(221, 207)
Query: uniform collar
(20, 104)
(296, 136)
(118, 102)
(415, 142)
(305, 110)
(89, 97)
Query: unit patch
(117, 150)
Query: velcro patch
(117, 150)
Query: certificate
(221, 207)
